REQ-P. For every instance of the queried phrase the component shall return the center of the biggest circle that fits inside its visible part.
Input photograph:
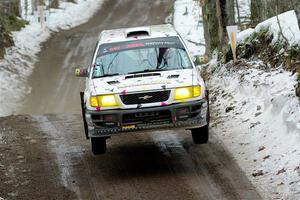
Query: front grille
(146, 97)
(148, 117)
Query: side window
(173, 58)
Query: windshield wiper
(146, 70)
(106, 75)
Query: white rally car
(142, 78)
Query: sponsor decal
(166, 42)
(154, 82)
(126, 127)
(134, 45)
(163, 104)
(117, 48)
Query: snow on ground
(187, 21)
(255, 111)
(19, 60)
(166, 140)
(257, 115)
(289, 25)
(244, 9)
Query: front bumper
(106, 123)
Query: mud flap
(83, 115)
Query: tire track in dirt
(150, 165)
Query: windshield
(141, 60)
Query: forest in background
(10, 18)
(217, 14)
(9, 21)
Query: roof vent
(137, 32)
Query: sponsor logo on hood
(152, 82)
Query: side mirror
(81, 72)
(200, 60)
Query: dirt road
(47, 156)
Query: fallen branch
(196, 43)
(280, 28)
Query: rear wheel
(200, 135)
(98, 145)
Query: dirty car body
(142, 78)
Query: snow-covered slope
(19, 60)
(256, 113)
(288, 24)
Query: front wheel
(200, 135)
(98, 145)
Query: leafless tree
(238, 11)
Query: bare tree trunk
(238, 12)
(257, 8)
(41, 2)
(54, 4)
(230, 12)
(217, 14)
(263, 9)
(32, 6)
(220, 24)
(210, 22)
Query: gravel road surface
(47, 157)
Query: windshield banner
(169, 42)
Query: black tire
(98, 145)
(200, 135)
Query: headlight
(103, 101)
(187, 92)
(108, 101)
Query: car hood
(143, 82)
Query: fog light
(94, 101)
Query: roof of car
(143, 32)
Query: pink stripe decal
(163, 104)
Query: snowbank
(255, 111)
(257, 115)
(187, 21)
(289, 25)
(19, 60)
